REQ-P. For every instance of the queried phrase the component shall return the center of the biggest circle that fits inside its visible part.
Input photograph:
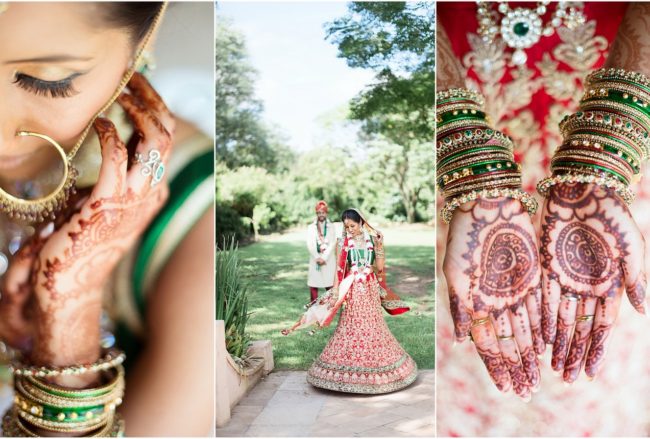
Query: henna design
(561, 345)
(637, 292)
(460, 315)
(596, 352)
(518, 376)
(529, 360)
(496, 368)
(631, 47)
(584, 255)
(577, 352)
(448, 68)
(508, 261)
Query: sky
(300, 77)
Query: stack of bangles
(473, 159)
(606, 142)
(42, 408)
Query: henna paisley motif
(584, 255)
(508, 261)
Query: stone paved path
(284, 404)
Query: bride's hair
(135, 16)
(351, 215)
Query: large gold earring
(40, 209)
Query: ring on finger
(570, 297)
(479, 322)
(151, 166)
(585, 318)
(505, 337)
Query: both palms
(513, 294)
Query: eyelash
(52, 89)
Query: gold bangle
(619, 188)
(518, 194)
(459, 93)
(110, 359)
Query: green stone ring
(151, 166)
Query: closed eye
(53, 89)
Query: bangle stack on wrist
(607, 141)
(473, 160)
(41, 407)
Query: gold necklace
(522, 28)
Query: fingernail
(566, 384)
(527, 398)
(557, 373)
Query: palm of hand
(591, 251)
(492, 268)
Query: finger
(460, 315)
(606, 312)
(154, 144)
(551, 292)
(534, 308)
(510, 355)
(143, 91)
(566, 320)
(488, 349)
(521, 326)
(585, 314)
(112, 174)
(634, 271)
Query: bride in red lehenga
(362, 356)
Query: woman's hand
(493, 275)
(591, 251)
(68, 272)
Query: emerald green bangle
(72, 415)
(449, 117)
(617, 96)
(495, 148)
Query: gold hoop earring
(40, 209)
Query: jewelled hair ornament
(45, 207)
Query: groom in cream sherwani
(321, 239)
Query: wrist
(473, 160)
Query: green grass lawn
(276, 271)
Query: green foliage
(397, 41)
(241, 137)
(232, 299)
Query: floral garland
(356, 259)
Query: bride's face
(352, 227)
(59, 64)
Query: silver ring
(151, 166)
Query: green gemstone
(521, 28)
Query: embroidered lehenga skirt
(363, 356)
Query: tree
(241, 138)
(397, 41)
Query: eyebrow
(51, 58)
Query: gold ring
(585, 318)
(505, 337)
(481, 321)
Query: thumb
(633, 266)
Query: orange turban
(321, 205)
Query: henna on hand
(492, 268)
(72, 265)
(590, 249)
